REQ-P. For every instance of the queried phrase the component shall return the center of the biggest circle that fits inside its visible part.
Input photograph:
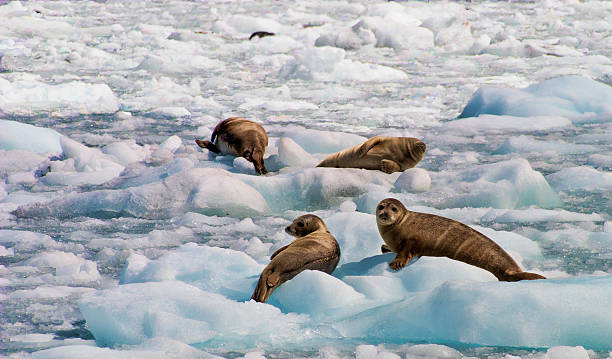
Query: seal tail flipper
(268, 281)
(516, 276)
(208, 145)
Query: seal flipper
(516, 276)
(388, 166)
(208, 145)
(367, 145)
(268, 281)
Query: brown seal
(241, 138)
(388, 154)
(315, 248)
(414, 234)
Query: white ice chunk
(83, 165)
(133, 313)
(566, 352)
(396, 30)
(126, 152)
(321, 187)
(577, 178)
(69, 269)
(157, 348)
(506, 184)
(318, 294)
(433, 351)
(212, 269)
(562, 96)
(329, 64)
(291, 154)
(31, 97)
(16, 135)
(208, 190)
(504, 123)
(413, 180)
(496, 313)
(525, 144)
(316, 141)
(356, 233)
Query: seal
(315, 248)
(388, 154)
(241, 138)
(260, 34)
(414, 234)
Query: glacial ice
(568, 96)
(18, 136)
(29, 97)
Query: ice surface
(314, 141)
(162, 242)
(29, 97)
(16, 135)
(584, 177)
(523, 144)
(413, 180)
(207, 190)
(563, 96)
(82, 165)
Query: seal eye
(381, 207)
(300, 224)
(394, 209)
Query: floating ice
(307, 188)
(160, 348)
(291, 154)
(413, 180)
(503, 123)
(563, 96)
(127, 152)
(582, 177)
(224, 271)
(22, 136)
(315, 141)
(525, 144)
(30, 97)
(68, 268)
(507, 184)
(493, 313)
(133, 313)
(207, 190)
(329, 64)
(82, 165)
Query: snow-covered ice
(121, 238)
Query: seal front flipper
(403, 257)
(208, 145)
(367, 145)
(388, 166)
